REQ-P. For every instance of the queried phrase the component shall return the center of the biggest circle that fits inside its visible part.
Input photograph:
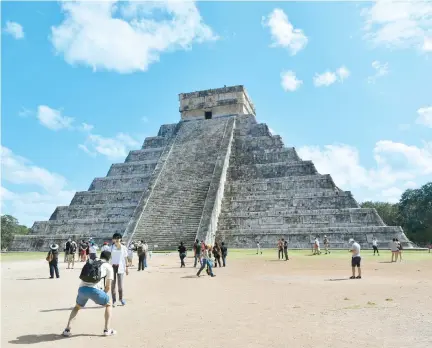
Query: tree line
(413, 212)
(9, 228)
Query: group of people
(396, 250)
(204, 253)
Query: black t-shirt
(224, 250)
(182, 249)
(285, 245)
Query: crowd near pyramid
(216, 175)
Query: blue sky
(347, 84)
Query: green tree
(389, 212)
(9, 228)
(415, 208)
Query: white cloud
(427, 44)
(392, 194)
(289, 81)
(410, 184)
(283, 32)
(123, 37)
(86, 127)
(327, 78)
(425, 116)
(113, 148)
(86, 150)
(399, 24)
(43, 190)
(53, 119)
(381, 69)
(14, 29)
(395, 165)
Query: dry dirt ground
(256, 301)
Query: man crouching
(96, 277)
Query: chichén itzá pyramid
(217, 174)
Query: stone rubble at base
(225, 178)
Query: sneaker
(358, 277)
(110, 332)
(114, 304)
(213, 275)
(123, 302)
(352, 277)
(66, 333)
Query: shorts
(71, 257)
(375, 247)
(86, 293)
(355, 261)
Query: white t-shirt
(106, 248)
(92, 249)
(118, 257)
(107, 274)
(374, 242)
(356, 249)
(394, 246)
(317, 243)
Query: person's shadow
(33, 339)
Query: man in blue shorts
(97, 291)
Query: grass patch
(371, 303)
(22, 256)
(389, 299)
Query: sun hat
(54, 246)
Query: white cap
(351, 240)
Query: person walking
(375, 246)
(71, 250)
(120, 267)
(131, 249)
(52, 259)
(105, 247)
(258, 248)
(217, 254)
(224, 251)
(326, 245)
(285, 249)
(197, 253)
(206, 261)
(141, 255)
(65, 249)
(355, 259)
(82, 250)
(400, 248)
(317, 250)
(95, 288)
(394, 250)
(93, 250)
(280, 249)
(182, 254)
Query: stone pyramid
(217, 174)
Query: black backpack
(91, 272)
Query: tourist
(88, 249)
(131, 249)
(317, 250)
(355, 259)
(202, 246)
(105, 247)
(141, 255)
(217, 254)
(224, 251)
(82, 250)
(394, 250)
(280, 249)
(258, 248)
(52, 259)
(95, 290)
(197, 250)
(120, 267)
(375, 246)
(93, 250)
(400, 248)
(326, 244)
(285, 249)
(71, 250)
(146, 252)
(206, 261)
(182, 254)
(65, 247)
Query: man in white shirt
(97, 291)
(258, 248)
(375, 246)
(106, 247)
(119, 254)
(92, 251)
(355, 259)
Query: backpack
(50, 256)
(91, 272)
(140, 249)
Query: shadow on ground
(67, 309)
(34, 339)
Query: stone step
(79, 226)
(266, 156)
(242, 143)
(155, 142)
(131, 168)
(264, 196)
(87, 211)
(334, 202)
(107, 197)
(123, 182)
(272, 170)
(144, 154)
(296, 183)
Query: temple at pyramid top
(214, 103)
